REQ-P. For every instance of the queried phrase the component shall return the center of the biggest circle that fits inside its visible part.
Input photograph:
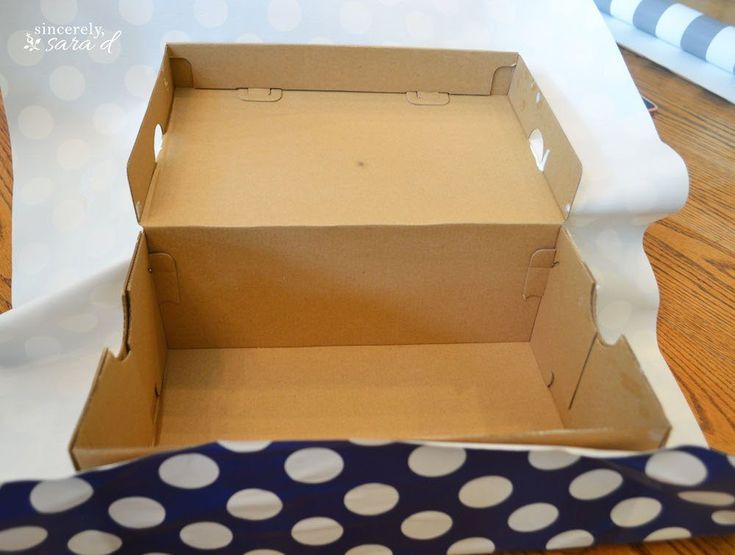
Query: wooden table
(692, 253)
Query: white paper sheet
(74, 225)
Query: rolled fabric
(679, 25)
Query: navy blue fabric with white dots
(369, 498)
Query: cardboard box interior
(348, 242)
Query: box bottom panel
(453, 391)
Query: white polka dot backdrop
(72, 119)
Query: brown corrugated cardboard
(357, 242)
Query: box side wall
(561, 167)
(594, 385)
(142, 160)
(315, 67)
(121, 409)
(282, 287)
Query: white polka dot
(447, 7)
(72, 154)
(731, 459)
(244, 446)
(94, 542)
(426, 525)
(249, 38)
(79, 323)
(17, 51)
(472, 546)
(724, 518)
(419, 25)
(317, 530)
(369, 549)
(314, 465)
(206, 535)
(711, 498)
(42, 346)
(665, 534)
(174, 36)
(533, 517)
(595, 484)
(67, 82)
(571, 539)
(355, 17)
(35, 122)
(264, 552)
(139, 80)
(106, 295)
(371, 499)
(59, 11)
(551, 460)
(486, 491)
(104, 174)
(68, 215)
(111, 52)
(635, 511)
(137, 512)
(254, 504)
(35, 191)
(137, 12)
(615, 315)
(676, 467)
(321, 40)
(109, 119)
(21, 537)
(33, 257)
(431, 462)
(370, 442)
(284, 15)
(210, 13)
(188, 471)
(55, 496)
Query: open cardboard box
(344, 242)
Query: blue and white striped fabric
(369, 498)
(679, 25)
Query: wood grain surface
(692, 253)
(6, 203)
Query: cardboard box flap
(402, 136)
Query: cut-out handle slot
(536, 143)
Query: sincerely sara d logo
(71, 38)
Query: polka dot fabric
(369, 498)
